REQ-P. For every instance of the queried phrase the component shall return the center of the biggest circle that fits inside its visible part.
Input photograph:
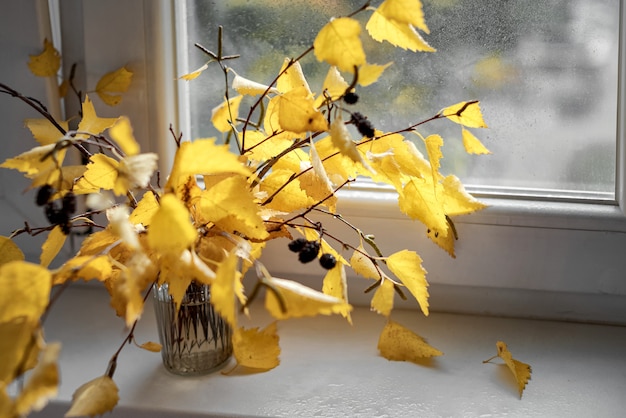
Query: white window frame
(520, 257)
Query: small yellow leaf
(151, 346)
(292, 78)
(444, 241)
(171, 230)
(465, 113)
(407, 266)
(334, 84)
(364, 266)
(44, 131)
(9, 251)
(90, 122)
(36, 161)
(341, 139)
(289, 198)
(52, 246)
(405, 11)
(472, 144)
(18, 336)
(382, 302)
(370, 73)
(122, 133)
(300, 301)
(419, 200)
(117, 81)
(433, 148)
(257, 349)
(85, 267)
(400, 34)
(398, 343)
(224, 116)
(338, 44)
(93, 398)
(251, 88)
(145, 210)
(297, 112)
(456, 200)
(194, 74)
(42, 384)
(47, 63)
(101, 173)
(521, 371)
(26, 289)
(227, 283)
(335, 285)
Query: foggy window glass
(545, 72)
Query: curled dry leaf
(521, 371)
(95, 397)
(401, 344)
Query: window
(534, 252)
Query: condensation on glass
(546, 73)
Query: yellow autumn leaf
(44, 131)
(230, 205)
(398, 343)
(341, 139)
(18, 336)
(297, 112)
(39, 160)
(335, 285)
(226, 285)
(84, 267)
(382, 302)
(51, 247)
(117, 81)
(26, 290)
(171, 230)
(194, 74)
(122, 134)
(145, 209)
(370, 73)
(419, 200)
(456, 200)
(47, 63)
(338, 44)
(363, 265)
(101, 173)
(93, 398)
(472, 144)
(9, 251)
(203, 157)
(91, 123)
(521, 371)
(407, 266)
(42, 384)
(433, 148)
(405, 11)
(261, 146)
(151, 346)
(288, 198)
(467, 114)
(300, 301)
(62, 179)
(257, 349)
(224, 116)
(292, 77)
(445, 242)
(334, 85)
(401, 34)
(247, 87)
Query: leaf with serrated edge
(398, 343)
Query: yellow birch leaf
(301, 301)
(364, 266)
(297, 112)
(90, 122)
(145, 210)
(407, 266)
(122, 133)
(335, 285)
(85, 267)
(194, 74)
(338, 44)
(398, 343)
(465, 113)
(370, 73)
(47, 63)
(93, 398)
(203, 157)
(334, 85)
(151, 346)
(44, 131)
(9, 251)
(17, 335)
(433, 148)
(472, 144)
(101, 173)
(38, 160)
(400, 34)
(456, 200)
(521, 371)
(382, 302)
(341, 139)
(226, 285)
(291, 78)
(42, 384)
(262, 147)
(117, 81)
(251, 88)
(26, 290)
(225, 115)
(171, 230)
(51, 247)
(445, 242)
(98, 242)
(405, 11)
(62, 179)
(289, 198)
(419, 201)
(257, 349)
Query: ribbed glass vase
(196, 340)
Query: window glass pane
(546, 73)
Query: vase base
(196, 364)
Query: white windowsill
(329, 368)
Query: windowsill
(329, 368)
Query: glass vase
(196, 339)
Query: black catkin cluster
(58, 212)
(363, 125)
(309, 250)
